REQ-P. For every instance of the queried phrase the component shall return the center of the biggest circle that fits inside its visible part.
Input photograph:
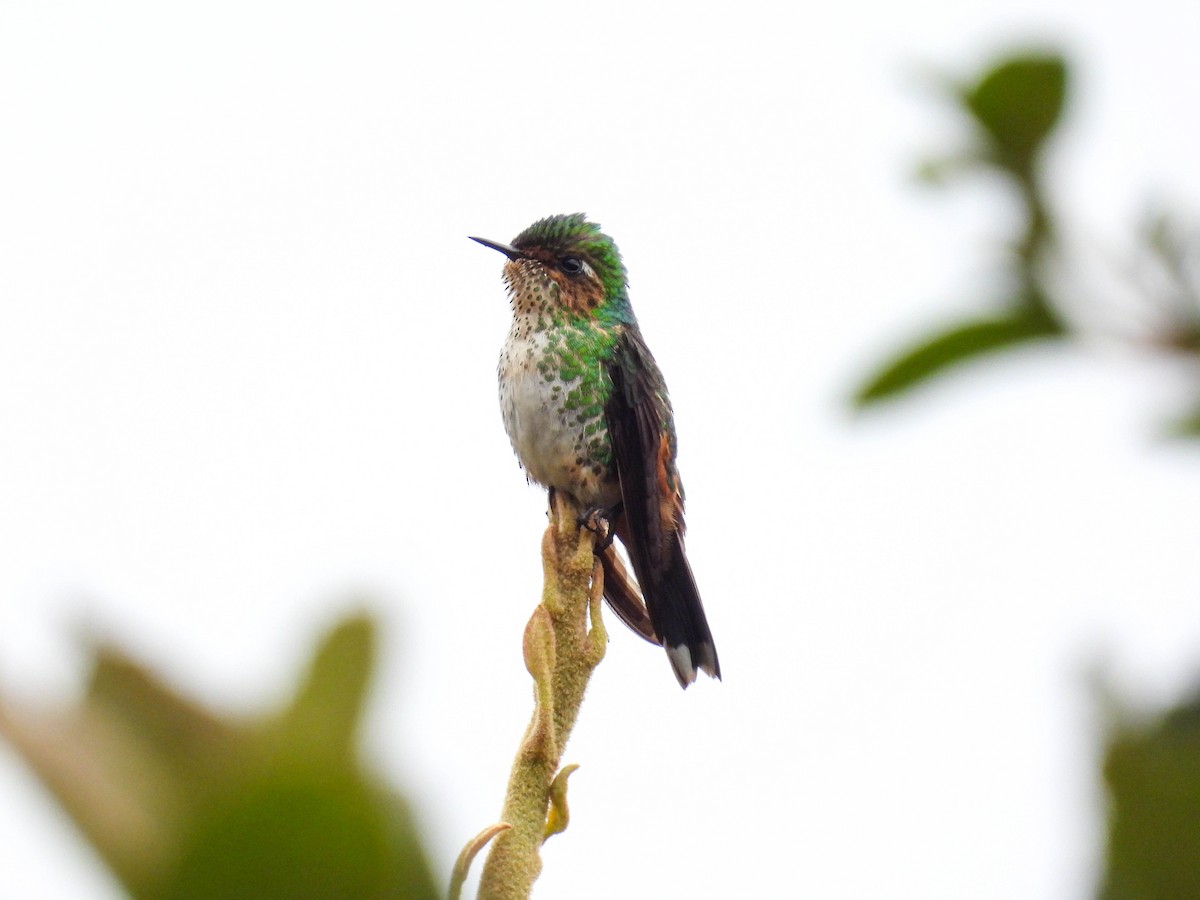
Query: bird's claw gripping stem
(599, 520)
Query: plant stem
(564, 642)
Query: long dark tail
(676, 613)
(623, 595)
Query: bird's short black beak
(507, 250)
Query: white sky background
(247, 372)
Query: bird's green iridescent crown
(574, 234)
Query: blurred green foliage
(1153, 776)
(183, 803)
(1018, 103)
(1013, 109)
(1151, 770)
(957, 344)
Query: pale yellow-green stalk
(564, 641)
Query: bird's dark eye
(572, 265)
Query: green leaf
(301, 833)
(954, 347)
(1152, 772)
(187, 740)
(322, 721)
(1019, 102)
(184, 803)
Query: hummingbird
(586, 409)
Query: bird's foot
(599, 520)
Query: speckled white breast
(548, 439)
